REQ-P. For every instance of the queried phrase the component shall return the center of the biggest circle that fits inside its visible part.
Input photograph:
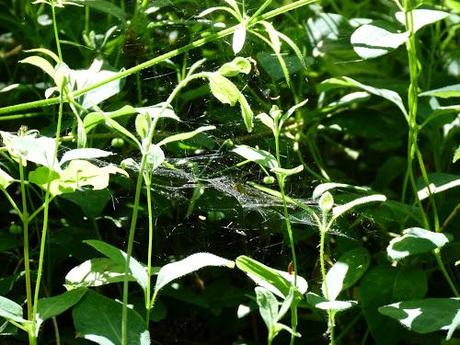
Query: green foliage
(311, 145)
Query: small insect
(290, 268)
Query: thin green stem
(150, 249)
(56, 33)
(25, 225)
(13, 203)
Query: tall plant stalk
(413, 148)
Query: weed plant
(229, 172)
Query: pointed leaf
(339, 210)
(261, 157)
(11, 310)
(98, 319)
(268, 306)
(425, 315)
(84, 153)
(239, 37)
(223, 89)
(185, 135)
(415, 241)
(190, 264)
(443, 92)
(236, 66)
(422, 17)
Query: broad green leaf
(223, 89)
(155, 156)
(238, 39)
(268, 306)
(98, 319)
(389, 95)
(371, 40)
(443, 92)
(41, 63)
(422, 17)
(261, 157)
(185, 135)
(77, 174)
(346, 272)
(5, 179)
(190, 264)
(236, 66)
(278, 282)
(425, 315)
(415, 241)
(11, 310)
(95, 272)
(322, 303)
(340, 210)
(138, 271)
(52, 306)
(439, 182)
(286, 305)
(91, 202)
(80, 79)
(84, 153)
(383, 285)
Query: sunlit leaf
(98, 319)
(223, 89)
(11, 310)
(84, 153)
(5, 179)
(438, 182)
(444, 92)
(415, 241)
(425, 315)
(41, 63)
(95, 272)
(322, 303)
(339, 210)
(239, 37)
(185, 135)
(190, 264)
(236, 66)
(422, 17)
(264, 158)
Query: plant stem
(150, 249)
(56, 34)
(25, 226)
(413, 149)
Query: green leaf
(5, 179)
(346, 272)
(138, 271)
(236, 66)
(155, 156)
(373, 40)
(190, 264)
(443, 92)
(422, 17)
(41, 63)
(322, 303)
(160, 110)
(425, 315)
(246, 113)
(52, 306)
(287, 172)
(185, 135)
(95, 272)
(415, 241)
(456, 155)
(91, 202)
(98, 319)
(223, 89)
(268, 306)
(340, 210)
(389, 95)
(383, 285)
(142, 124)
(278, 282)
(261, 157)
(238, 39)
(83, 153)
(439, 182)
(93, 119)
(11, 310)
(323, 187)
